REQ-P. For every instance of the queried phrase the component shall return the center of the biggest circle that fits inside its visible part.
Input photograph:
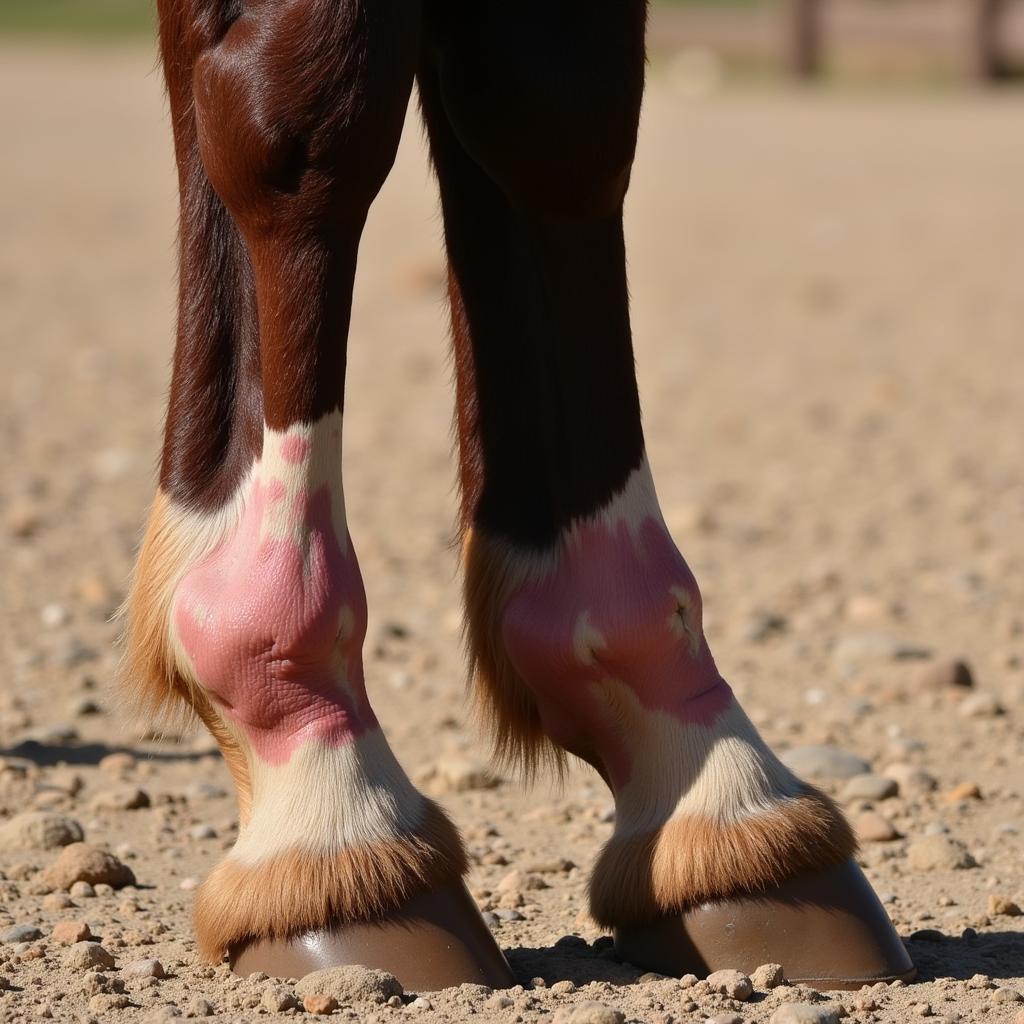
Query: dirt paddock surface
(829, 307)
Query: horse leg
(583, 619)
(247, 603)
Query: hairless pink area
(274, 629)
(294, 449)
(624, 587)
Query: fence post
(987, 61)
(803, 27)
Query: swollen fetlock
(692, 859)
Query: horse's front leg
(584, 620)
(248, 601)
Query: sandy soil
(828, 308)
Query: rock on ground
(82, 862)
(39, 830)
(824, 762)
(734, 984)
(83, 955)
(939, 853)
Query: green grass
(77, 17)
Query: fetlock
(597, 647)
(264, 631)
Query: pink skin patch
(294, 449)
(274, 629)
(634, 596)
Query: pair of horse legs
(583, 620)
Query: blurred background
(826, 238)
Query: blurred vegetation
(126, 17)
(78, 17)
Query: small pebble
(197, 1006)
(84, 955)
(965, 791)
(277, 999)
(319, 1004)
(946, 674)
(768, 976)
(872, 827)
(67, 933)
(734, 984)
(20, 933)
(144, 969)
(869, 787)
(1002, 906)
(823, 762)
(980, 705)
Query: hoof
(827, 930)
(435, 941)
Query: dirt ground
(829, 307)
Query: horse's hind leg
(248, 602)
(584, 621)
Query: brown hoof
(827, 930)
(435, 941)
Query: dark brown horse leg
(248, 602)
(584, 622)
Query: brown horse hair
(504, 705)
(691, 860)
(301, 890)
(155, 689)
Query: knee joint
(300, 108)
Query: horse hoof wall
(827, 930)
(435, 941)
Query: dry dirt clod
(350, 984)
(804, 1013)
(83, 862)
(589, 1013)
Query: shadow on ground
(995, 954)
(47, 755)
